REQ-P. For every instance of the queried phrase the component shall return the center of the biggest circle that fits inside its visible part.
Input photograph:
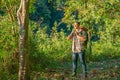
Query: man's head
(76, 25)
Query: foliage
(48, 49)
(46, 12)
(100, 17)
(8, 50)
(51, 51)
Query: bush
(48, 50)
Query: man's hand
(82, 38)
(67, 38)
(70, 36)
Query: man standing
(79, 37)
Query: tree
(23, 21)
(99, 16)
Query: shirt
(77, 44)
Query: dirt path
(105, 70)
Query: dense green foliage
(50, 23)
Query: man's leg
(75, 57)
(82, 59)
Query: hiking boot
(85, 74)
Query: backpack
(86, 30)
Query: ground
(103, 70)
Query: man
(79, 37)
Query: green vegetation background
(50, 22)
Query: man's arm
(82, 37)
(69, 37)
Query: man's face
(76, 26)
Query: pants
(82, 60)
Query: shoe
(86, 74)
(74, 74)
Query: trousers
(75, 56)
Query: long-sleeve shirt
(77, 44)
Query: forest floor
(103, 70)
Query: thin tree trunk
(89, 44)
(23, 21)
(89, 33)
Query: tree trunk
(89, 44)
(23, 21)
